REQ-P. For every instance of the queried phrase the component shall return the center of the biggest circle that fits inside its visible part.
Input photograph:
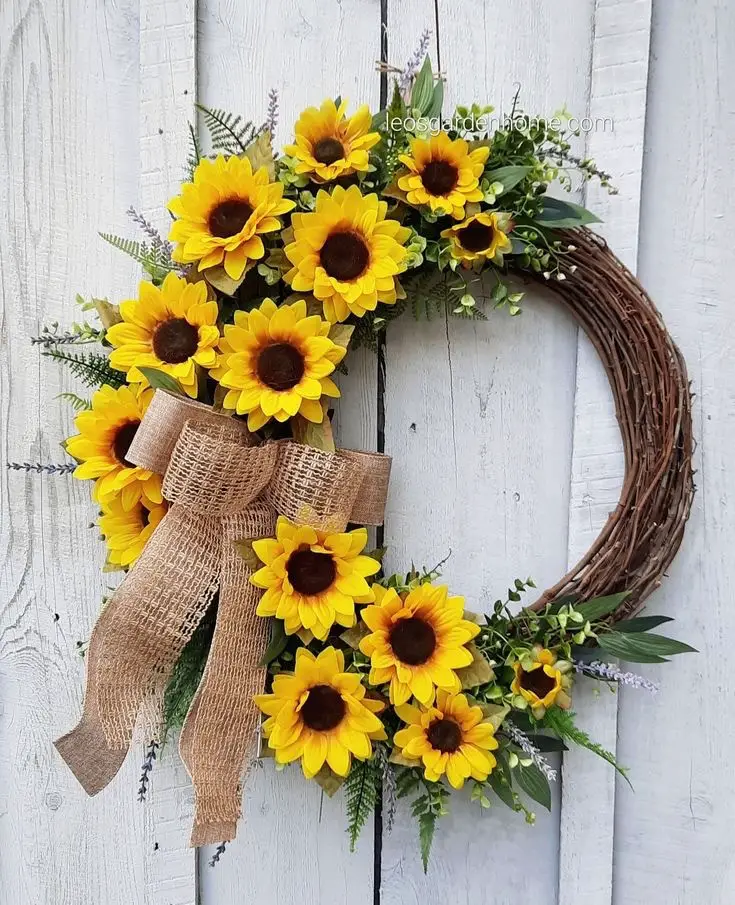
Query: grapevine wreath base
(251, 616)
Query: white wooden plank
(68, 166)
(291, 844)
(479, 420)
(674, 836)
(617, 93)
(167, 94)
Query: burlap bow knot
(222, 489)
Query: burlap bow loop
(222, 488)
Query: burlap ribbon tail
(221, 489)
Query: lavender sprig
(158, 243)
(145, 776)
(529, 749)
(219, 851)
(271, 120)
(611, 673)
(390, 789)
(43, 467)
(414, 62)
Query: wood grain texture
(167, 95)
(673, 840)
(479, 421)
(292, 845)
(68, 166)
(617, 107)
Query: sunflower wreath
(249, 588)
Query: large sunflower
(101, 446)
(313, 578)
(482, 237)
(126, 532)
(275, 363)
(171, 329)
(542, 681)
(222, 214)
(347, 253)
(329, 145)
(442, 174)
(451, 738)
(319, 713)
(417, 641)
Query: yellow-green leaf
(260, 154)
(108, 314)
(495, 714)
(328, 780)
(341, 334)
(479, 672)
(319, 436)
(217, 277)
(353, 636)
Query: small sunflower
(443, 174)
(171, 329)
(319, 713)
(101, 446)
(417, 641)
(482, 237)
(451, 738)
(313, 578)
(542, 681)
(329, 145)
(126, 532)
(275, 363)
(222, 213)
(347, 253)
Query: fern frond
(427, 808)
(362, 788)
(127, 246)
(230, 134)
(195, 154)
(155, 261)
(562, 723)
(91, 368)
(76, 402)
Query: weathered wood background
(505, 444)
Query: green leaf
(534, 784)
(160, 380)
(277, 644)
(479, 672)
(361, 793)
(509, 176)
(423, 88)
(599, 607)
(559, 214)
(427, 827)
(500, 785)
(634, 647)
(641, 623)
(353, 636)
(435, 107)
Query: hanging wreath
(253, 615)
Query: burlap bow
(221, 489)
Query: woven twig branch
(650, 387)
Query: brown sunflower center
(444, 735)
(345, 256)
(229, 217)
(323, 709)
(439, 177)
(121, 443)
(280, 366)
(413, 641)
(175, 340)
(327, 150)
(538, 682)
(476, 237)
(309, 572)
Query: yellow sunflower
(542, 681)
(222, 214)
(313, 578)
(126, 532)
(275, 363)
(329, 145)
(450, 738)
(482, 237)
(101, 446)
(347, 253)
(417, 641)
(171, 329)
(319, 713)
(443, 174)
